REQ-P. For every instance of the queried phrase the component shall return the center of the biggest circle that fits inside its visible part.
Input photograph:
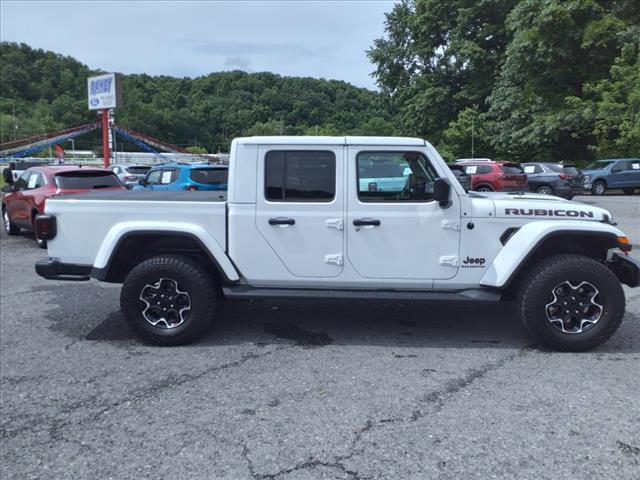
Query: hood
(544, 207)
(596, 171)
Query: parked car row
(557, 179)
(24, 197)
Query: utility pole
(15, 123)
(473, 133)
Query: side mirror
(442, 191)
(7, 189)
(8, 176)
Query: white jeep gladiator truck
(298, 223)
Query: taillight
(191, 188)
(565, 176)
(45, 226)
(129, 177)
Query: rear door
(300, 208)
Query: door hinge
(336, 223)
(450, 224)
(451, 260)
(333, 259)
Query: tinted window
(82, 180)
(511, 168)
(295, 176)
(599, 165)
(210, 176)
(138, 170)
(394, 177)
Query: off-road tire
(190, 278)
(535, 290)
(599, 188)
(12, 229)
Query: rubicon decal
(539, 212)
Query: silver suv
(130, 175)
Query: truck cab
(299, 221)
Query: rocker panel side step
(474, 295)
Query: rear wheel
(571, 303)
(545, 190)
(168, 300)
(9, 227)
(599, 188)
(484, 188)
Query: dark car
(26, 197)
(461, 176)
(490, 176)
(554, 179)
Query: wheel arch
(533, 241)
(116, 259)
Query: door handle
(366, 222)
(282, 221)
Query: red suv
(489, 176)
(25, 198)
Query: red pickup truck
(25, 198)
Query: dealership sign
(105, 91)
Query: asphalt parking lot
(307, 390)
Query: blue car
(185, 176)
(621, 173)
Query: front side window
(394, 177)
(300, 176)
(163, 176)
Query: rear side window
(209, 176)
(89, 180)
(300, 176)
(138, 170)
(511, 168)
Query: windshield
(599, 165)
(210, 176)
(86, 180)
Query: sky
(322, 39)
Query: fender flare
(527, 239)
(121, 231)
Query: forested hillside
(534, 79)
(48, 92)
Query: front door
(394, 228)
(300, 208)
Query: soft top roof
(312, 140)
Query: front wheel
(9, 227)
(599, 188)
(571, 303)
(168, 300)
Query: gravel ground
(311, 390)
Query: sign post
(105, 93)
